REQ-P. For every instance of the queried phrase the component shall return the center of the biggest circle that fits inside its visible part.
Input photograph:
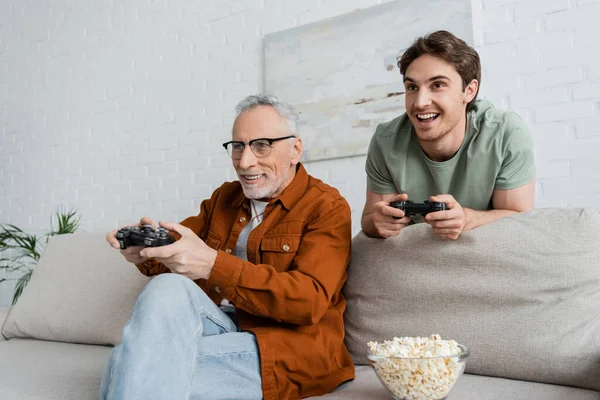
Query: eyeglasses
(260, 147)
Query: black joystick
(424, 208)
(143, 236)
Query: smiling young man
(252, 307)
(447, 147)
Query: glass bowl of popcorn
(418, 368)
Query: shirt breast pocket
(213, 241)
(279, 251)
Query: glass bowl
(419, 378)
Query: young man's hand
(189, 256)
(389, 221)
(450, 223)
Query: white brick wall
(119, 110)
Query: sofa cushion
(82, 291)
(469, 387)
(36, 370)
(522, 292)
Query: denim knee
(167, 292)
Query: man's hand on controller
(450, 223)
(389, 221)
(131, 253)
(189, 256)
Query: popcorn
(413, 377)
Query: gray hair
(285, 110)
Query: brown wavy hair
(453, 50)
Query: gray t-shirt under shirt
(496, 153)
(258, 210)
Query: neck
(448, 145)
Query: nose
(422, 99)
(248, 158)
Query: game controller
(424, 208)
(144, 236)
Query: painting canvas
(341, 74)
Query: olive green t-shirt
(496, 153)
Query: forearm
(476, 218)
(259, 289)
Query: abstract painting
(341, 73)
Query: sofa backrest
(82, 291)
(522, 292)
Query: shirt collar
(290, 195)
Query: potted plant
(20, 251)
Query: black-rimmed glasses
(260, 147)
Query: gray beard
(265, 192)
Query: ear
(471, 91)
(296, 151)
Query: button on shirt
(258, 210)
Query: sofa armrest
(3, 315)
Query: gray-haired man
(275, 245)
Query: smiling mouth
(251, 177)
(427, 117)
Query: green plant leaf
(68, 222)
(22, 250)
(14, 238)
(21, 283)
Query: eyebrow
(433, 78)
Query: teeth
(251, 177)
(426, 116)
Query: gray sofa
(523, 293)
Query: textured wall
(120, 109)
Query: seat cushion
(36, 370)
(469, 387)
(82, 291)
(522, 292)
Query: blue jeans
(179, 345)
